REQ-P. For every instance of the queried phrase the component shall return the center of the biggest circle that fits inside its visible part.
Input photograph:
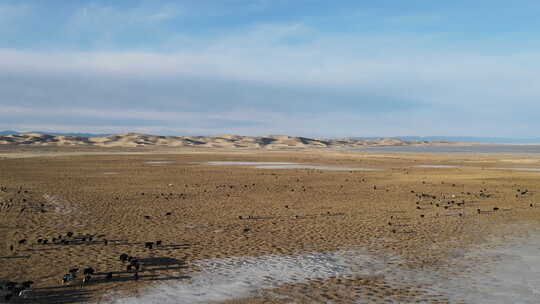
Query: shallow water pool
(471, 167)
(316, 167)
(286, 165)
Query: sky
(306, 67)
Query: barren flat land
(258, 226)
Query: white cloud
(152, 115)
(329, 124)
(437, 78)
(458, 91)
(105, 24)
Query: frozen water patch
(231, 278)
(315, 167)
(60, 205)
(159, 162)
(67, 212)
(520, 169)
(471, 167)
(234, 278)
(502, 274)
(443, 167)
(244, 163)
(285, 165)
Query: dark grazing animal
(123, 257)
(89, 270)
(68, 278)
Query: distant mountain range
(9, 132)
(218, 141)
(399, 140)
(462, 139)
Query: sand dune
(219, 141)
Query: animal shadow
(56, 295)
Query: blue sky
(311, 68)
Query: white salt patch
(315, 167)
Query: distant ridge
(462, 139)
(472, 139)
(263, 140)
(219, 141)
(10, 132)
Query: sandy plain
(200, 212)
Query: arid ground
(123, 199)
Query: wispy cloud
(310, 90)
(174, 68)
(99, 17)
